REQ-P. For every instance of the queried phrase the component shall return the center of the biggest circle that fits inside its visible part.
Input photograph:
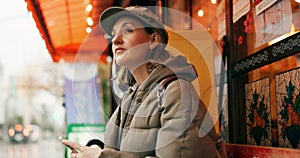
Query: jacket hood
(177, 65)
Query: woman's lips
(117, 50)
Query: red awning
(62, 24)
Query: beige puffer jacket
(138, 129)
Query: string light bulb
(89, 21)
(88, 30)
(200, 13)
(89, 8)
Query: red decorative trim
(248, 151)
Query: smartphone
(60, 138)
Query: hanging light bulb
(298, 1)
(200, 13)
(88, 30)
(213, 1)
(89, 8)
(89, 21)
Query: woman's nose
(117, 39)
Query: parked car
(17, 133)
(34, 132)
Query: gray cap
(143, 14)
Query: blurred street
(44, 148)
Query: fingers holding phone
(75, 147)
(66, 143)
(79, 151)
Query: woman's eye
(127, 30)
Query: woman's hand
(82, 151)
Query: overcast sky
(20, 41)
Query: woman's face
(130, 42)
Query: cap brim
(109, 17)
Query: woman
(160, 114)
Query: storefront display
(288, 107)
(263, 66)
(258, 116)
